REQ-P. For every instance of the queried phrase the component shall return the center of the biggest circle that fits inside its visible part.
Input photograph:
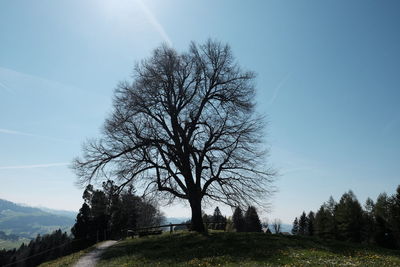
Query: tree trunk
(197, 219)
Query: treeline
(216, 221)
(376, 223)
(239, 222)
(41, 249)
(249, 222)
(107, 213)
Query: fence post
(170, 228)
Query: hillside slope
(27, 222)
(243, 249)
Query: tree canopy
(184, 128)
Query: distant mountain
(175, 220)
(28, 222)
(286, 228)
(66, 213)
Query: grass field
(243, 249)
(8, 244)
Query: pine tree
(252, 221)
(81, 229)
(303, 224)
(349, 218)
(99, 208)
(310, 223)
(238, 220)
(383, 234)
(394, 216)
(324, 223)
(218, 220)
(368, 221)
(295, 228)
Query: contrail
(33, 166)
(12, 132)
(153, 20)
(6, 131)
(278, 88)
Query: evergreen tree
(107, 214)
(81, 229)
(129, 209)
(238, 220)
(100, 216)
(383, 233)
(324, 223)
(310, 223)
(349, 218)
(303, 224)
(252, 221)
(331, 205)
(368, 221)
(218, 220)
(394, 216)
(295, 228)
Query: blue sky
(328, 81)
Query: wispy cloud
(153, 20)
(2, 85)
(278, 88)
(6, 131)
(12, 132)
(34, 166)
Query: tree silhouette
(276, 225)
(395, 216)
(295, 227)
(82, 227)
(383, 232)
(349, 218)
(238, 220)
(252, 221)
(218, 220)
(310, 223)
(369, 221)
(303, 224)
(185, 128)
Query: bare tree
(265, 223)
(276, 225)
(184, 128)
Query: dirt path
(90, 259)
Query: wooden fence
(155, 230)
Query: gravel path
(90, 259)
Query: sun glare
(125, 13)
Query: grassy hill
(27, 222)
(243, 249)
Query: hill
(64, 213)
(243, 249)
(20, 223)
